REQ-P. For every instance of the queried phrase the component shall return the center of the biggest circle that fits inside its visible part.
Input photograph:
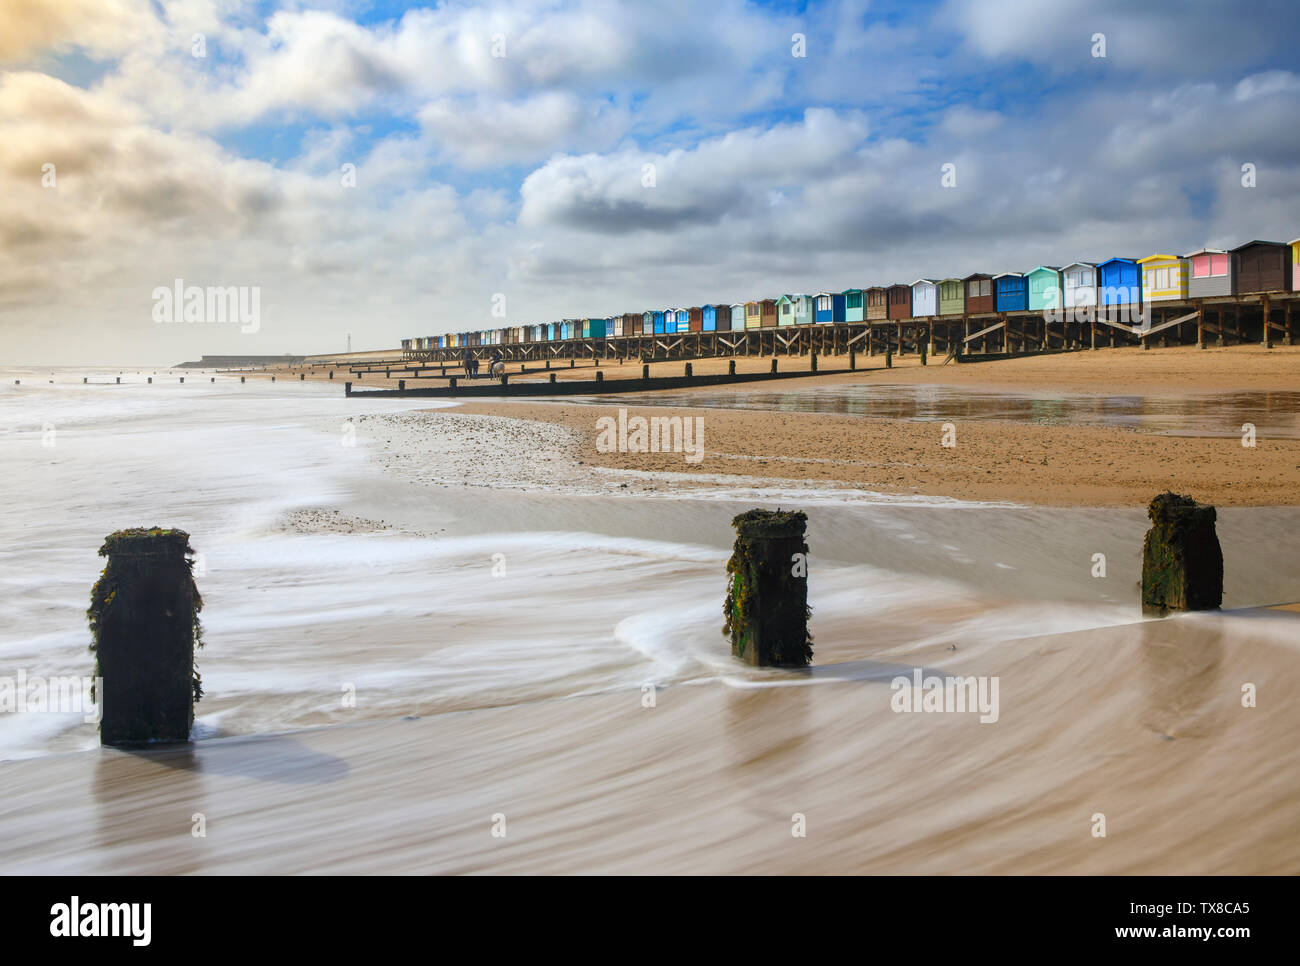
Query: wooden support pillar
(1266, 340)
(1290, 333)
(1200, 325)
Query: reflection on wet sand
(1274, 414)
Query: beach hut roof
(1294, 241)
(931, 281)
(1206, 251)
(1044, 268)
(1009, 275)
(1255, 242)
(1118, 258)
(1082, 265)
(848, 290)
(976, 275)
(1152, 258)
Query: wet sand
(1142, 724)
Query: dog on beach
(498, 370)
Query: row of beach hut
(1253, 268)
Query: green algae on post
(144, 623)
(766, 609)
(1182, 563)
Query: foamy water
(361, 562)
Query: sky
(381, 170)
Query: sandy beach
(582, 703)
(1037, 463)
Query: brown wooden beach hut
(1261, 266)
(979, 293)
(899, 301)
(877, 304)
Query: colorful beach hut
(794, 309)
(854, 304)
(737, 316)
(1164, 278)
(1045, 288)
(1011, 292)
(828, 307)
(1080, 284)
(952, 297)
(925, 297)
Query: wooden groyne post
(1182, 563)
(766, 608)
(145, 626)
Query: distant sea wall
(240, 362)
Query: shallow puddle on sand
(1274, 414)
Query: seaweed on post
(766, 609)
(144, 626)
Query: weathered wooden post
(331, 373)
(689, 371)
(600, 376)
(766, 609)
(302, 377)
(451, 383)
(645, 371)
(853, 360)
(1182, 563)
(117, 380)
(85, 380)
(924, 352)
(731, 367)
(552, 377)
(347, 389)
(889, 357)
(774, 366)
(812, 362)
(401, 385)
(144, 620)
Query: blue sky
(524, 175)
